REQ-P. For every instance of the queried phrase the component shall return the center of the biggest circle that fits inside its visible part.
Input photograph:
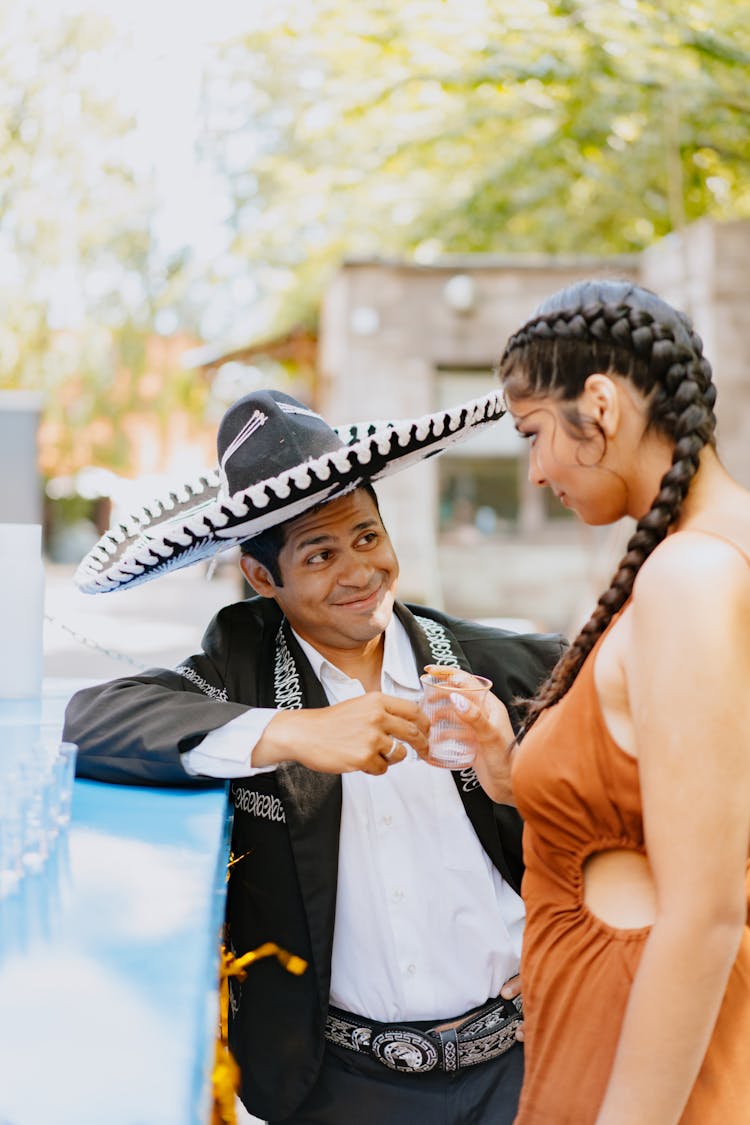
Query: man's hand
(356, 735)
(509, 991)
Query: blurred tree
(81, 286)
(439, 126)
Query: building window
(482, 483)
(482, 493)
(480, 480)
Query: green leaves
(395, 127)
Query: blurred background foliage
(383, 127)
(81, 289)
(423, 127)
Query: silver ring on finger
(392, 751)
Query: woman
(633, 771)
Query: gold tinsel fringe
(226, 1073)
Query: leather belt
(485, 1034)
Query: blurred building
(399, 339)
(146, 422)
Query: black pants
(355, 1089)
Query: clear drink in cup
(452, 741)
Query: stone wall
(706, 272)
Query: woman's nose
(536, 476)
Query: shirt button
(387, 819)
(411, 970)
(398, 895)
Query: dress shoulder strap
(724, 539)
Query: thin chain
(89, 643)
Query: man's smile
(362, 601)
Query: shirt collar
(399, 665)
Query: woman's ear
(600, 401)
(257, 575)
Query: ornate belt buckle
(404, 1050)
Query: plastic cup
(452, 744)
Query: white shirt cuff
(228, 751)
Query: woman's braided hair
(618, 328)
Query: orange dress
(579, 793)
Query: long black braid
(616, 327)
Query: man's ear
(600, 400)
(258, 577)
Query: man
(397, 882)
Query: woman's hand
(491, 732)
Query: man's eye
(368, 539)
(319, 556)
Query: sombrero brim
(196, 520)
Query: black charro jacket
(285, 833)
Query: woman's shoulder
(696, 566)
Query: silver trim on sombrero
(251, 427)
(201, 520)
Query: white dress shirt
(426, 927)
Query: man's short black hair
(266, 547)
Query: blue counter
(108, 1014)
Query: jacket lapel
(312, 802)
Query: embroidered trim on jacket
(439, 642)
(287, 688)
(263, 805)
(469, 779)
(442, 653)
(207, 688)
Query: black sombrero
(277, 459)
